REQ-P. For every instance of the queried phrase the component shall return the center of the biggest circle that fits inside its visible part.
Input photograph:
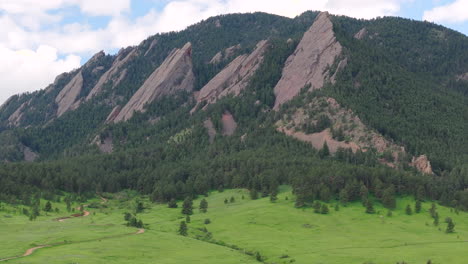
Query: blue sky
(43, 38)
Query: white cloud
(29, 25)
(454, 12)
(26, 70)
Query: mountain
(252, 100)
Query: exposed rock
(229, 124)
(114, 74)
(234, 78)
(227, 54)
(29, 155)
(15, 118)
(422, 164)
(113, 114)
(340, 67)
(463, 77)
(67, 98)
(95, 58)
(308, 65)
(355, 135)
(153, 43)
(106, 145)
(57, 79)
(174, 74)
(217, 58)
(208, 124)
(98, 69)
(318, 139)
(361, 34)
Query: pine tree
(274, 196)
(187, 207)
(183, 228)
(370, 207)
(253, 194)
(317, 206)
(337, 207)
(388, 197)
(203, 206)
(226, 201)
(324, 209)
(450, 225)
(232, 200)
(436, 219)
(325, 151)
(172, 203)
(187, 219)
(417, 206)
(432, 211)
(364, 193)
(48, 207)
(408, 210)
(344, 196)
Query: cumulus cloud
(32, 34)
(26, 70)
(454, 12)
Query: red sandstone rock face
(308, 65)
(174, 74)
(234, 78)
(422, 164)
(229, 124)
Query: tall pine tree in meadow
(187, 207)
(203, 206)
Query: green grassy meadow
(279, 232)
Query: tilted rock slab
(111, 74)
(308, 64)
(174, 74)
(67, 98)
(234, 78)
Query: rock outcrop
(309, 64)
(463, 77)
(15, 118)
(234, 78)
(175, 74)
(208, 124)
(67, 98)
(361, 34)
(227, 54)
(229, 124)
(115, 74)
(422, 164)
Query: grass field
(278, 231)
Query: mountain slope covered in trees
(397, 87)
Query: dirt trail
(30, 251)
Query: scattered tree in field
(417, 206)
(68, 202)
(232, 200)
(139, 207)
(187, 219)
(388, 197)
(274, 196)
(450, 225)
(436, 219)
(433, 209)
(203, 206)
(48, 207)
(183, 228)
(226, 201)
(258, 257)
(364, 193)
(389, 213)
(429, 262)
(300, 201)
(337, 207)
(370, 207)
(324, 209)
(187, 207)
(127, 216)
(207, 221)
(243, 197)
(253, 194)
(172, 203)
(344, 196)
(317, 206)
(408, 210)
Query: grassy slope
(346, 236)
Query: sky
(39, 39)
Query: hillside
(335, 107)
